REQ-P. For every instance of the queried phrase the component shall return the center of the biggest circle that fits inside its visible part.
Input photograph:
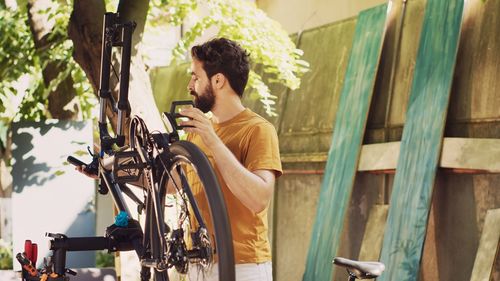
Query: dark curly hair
(224, 56)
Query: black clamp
(172, 116)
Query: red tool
(28, 248)
(26, 264)
(34, 253)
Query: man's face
(200, 87)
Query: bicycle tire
(183, 152)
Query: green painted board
(346, 143)
(421, 141)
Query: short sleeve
(262, 151)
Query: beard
(204, 101)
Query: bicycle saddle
(361, 269)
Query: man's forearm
(251, 189)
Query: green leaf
(81, 152)
(59, 173)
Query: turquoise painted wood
(346, 143)
(421, 141)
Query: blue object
(121, 219)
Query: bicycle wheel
(199, 241)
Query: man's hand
(81, 169)
(201, 126)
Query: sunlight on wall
(48, 195)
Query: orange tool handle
(26, 264)
(30, 269)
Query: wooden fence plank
(457, 153)
(346, 144)
(374, 233)
(488, 247)
(421, 141)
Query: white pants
(244, 272)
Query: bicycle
(195, 241)
(360, 269)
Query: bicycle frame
(110, 38)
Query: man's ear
(218, 80)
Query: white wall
(297, 15)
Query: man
(241, 146)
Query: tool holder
(116, 239)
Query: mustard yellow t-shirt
(254, 142)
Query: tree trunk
(135, 11)
(41, 28)
(140, 91)
(85, 29)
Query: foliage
(23, 94)
(268, 44)
(18, 59)
(104, 259)
(5, 255)
(22, 64)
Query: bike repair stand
(125, 235)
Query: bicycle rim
(190, 214)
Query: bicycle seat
(361, 269)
